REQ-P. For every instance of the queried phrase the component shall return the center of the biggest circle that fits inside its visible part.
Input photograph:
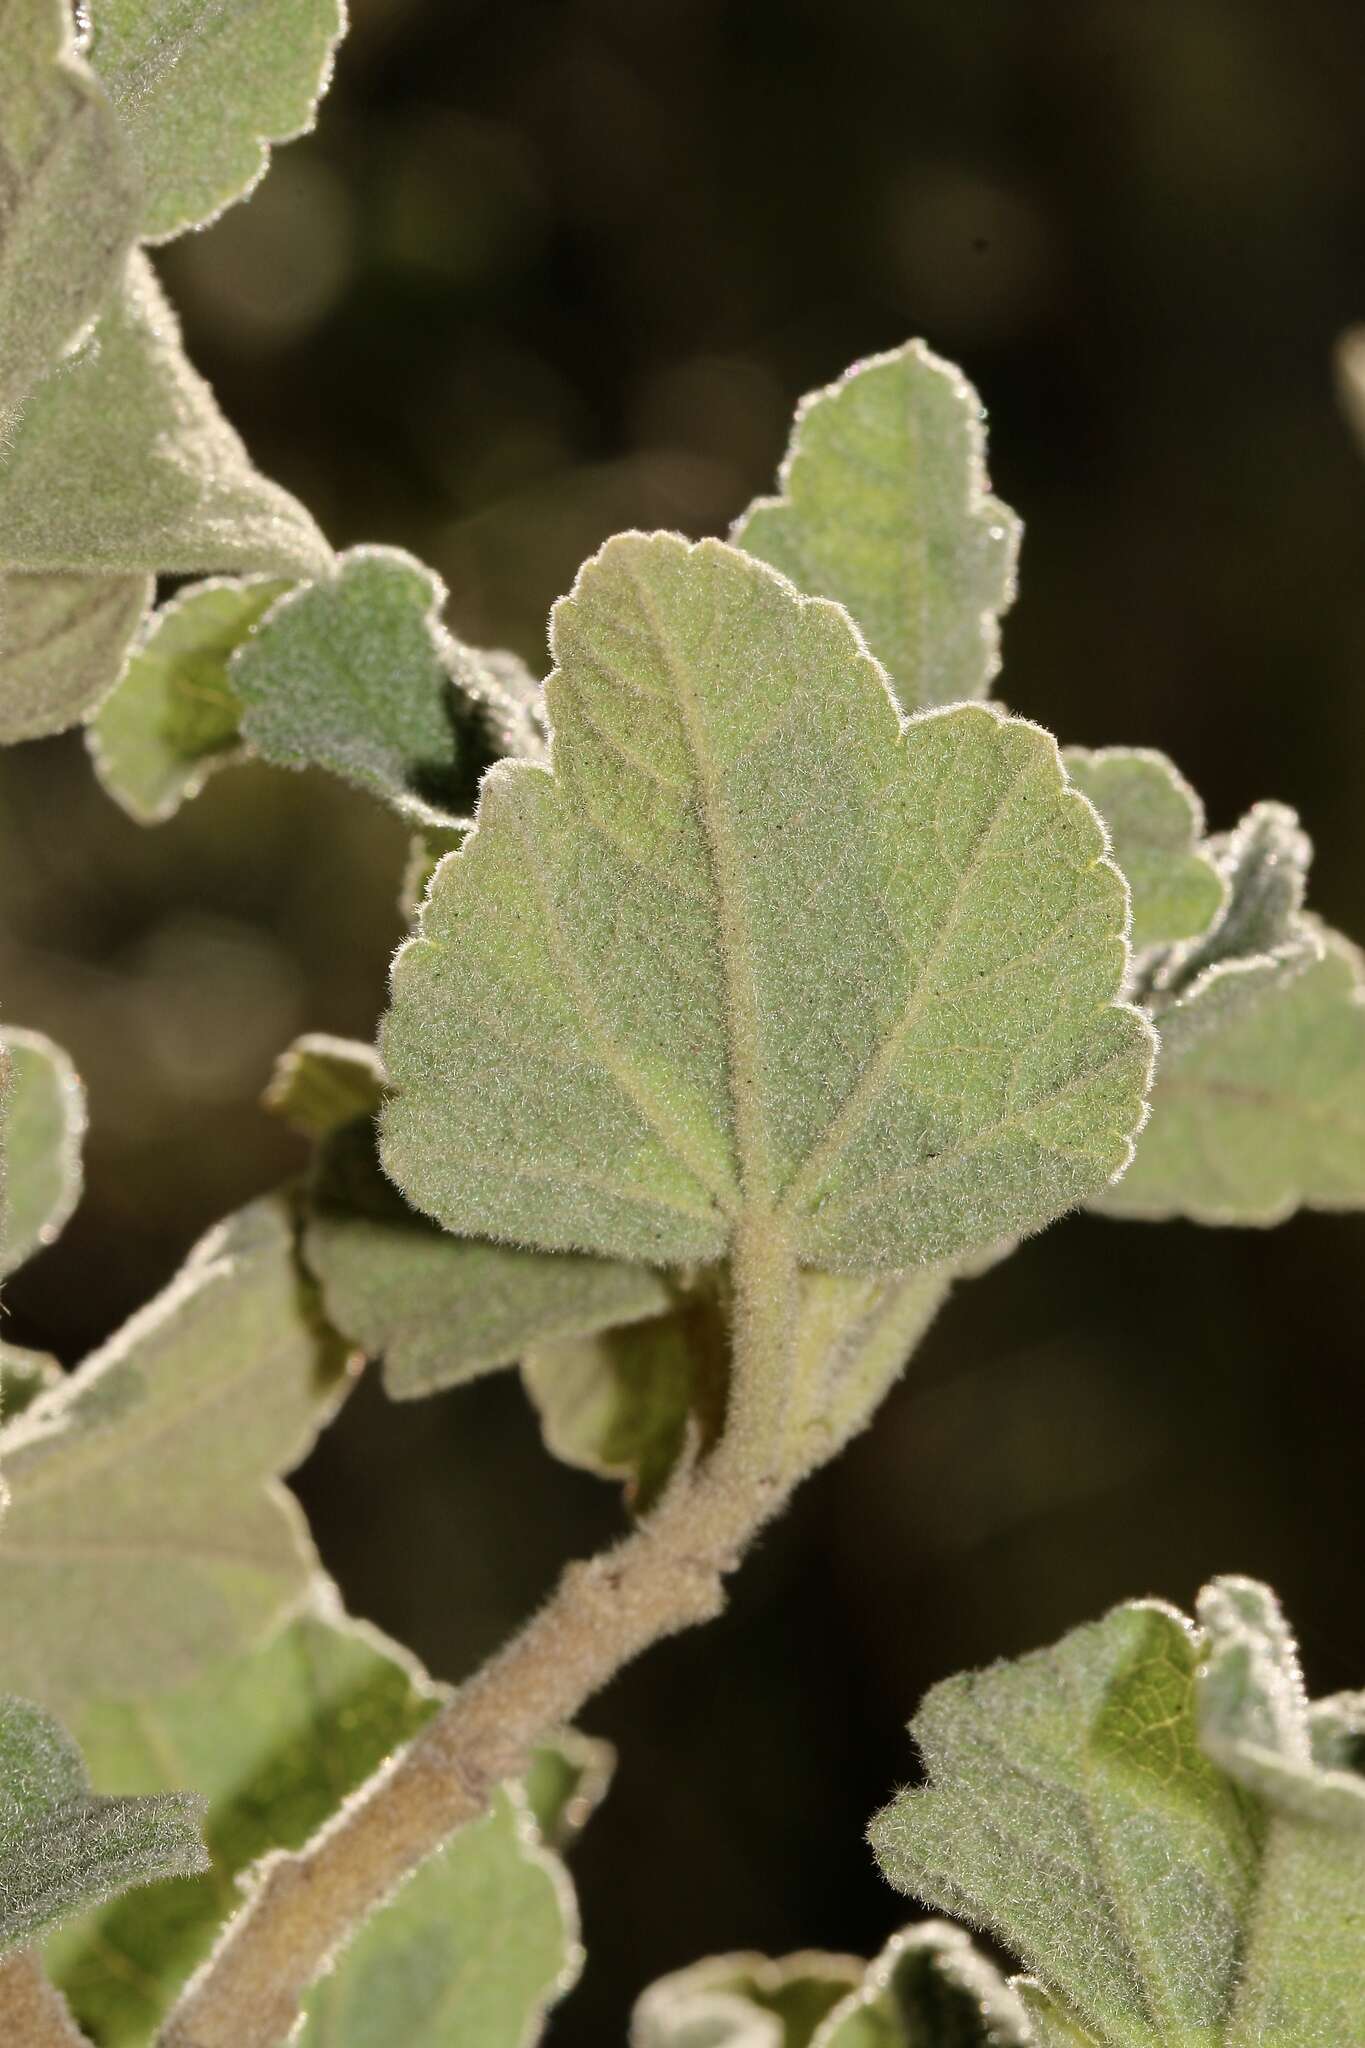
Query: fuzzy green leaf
(352, 674)
(125, 463)
(1264, 864)
(62, 1849)
(146, 1533)
(322, 1083)
(885, 508)
(274, 1739)
(440, 1309)
(42, 1124)
(63, 643)
(1151, 1816)
(470, 1954)
(203, 90)
(69, 195)
(759, 944)
(929, 1988)
(744, 2001)
(1303, 1976)
(1070, 1809)
(175, 716)
(621, 1402)
(1156, 826)
(24, 1375)
(1259, 1105)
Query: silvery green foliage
(24, 1375)
(1257, 1109)
(437, 1309)
(440, 1309)
(273, 1738)
(61, 1848)
(203, 89)
(175, 717)
(883, 955)
(885, 508)
(69, 197)
(352, 673)
(146, 1532)
(42, 1124)
(123, 462)
(477, 1947)
(929, 1988)
(1350, 371)
(63, 642)
(1153, 1819)
(1156, 830)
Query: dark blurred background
(548, 270)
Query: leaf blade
(884, 507)
(664, 1109)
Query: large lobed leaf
(124, 463)
(69, 196)
(757, 943)
(1152, 1818)
(42, 1124)
(146, 1533)
(885, 508)
(62, 1848)
(203, 89)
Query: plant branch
(33, 2013)
(666, 1576)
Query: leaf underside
(175, 717)
(882, 958)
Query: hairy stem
(33, 2013)
(666, 1576)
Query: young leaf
(69, 195)
(42, 1123)
(351, 674)
(759, 947)
(1303, 1979)
(1259, 1105)
(929, 1988)
(885, 508)
(1141, 1814)
(175, 716)
(124, 463)
(146, 1535)
(440, 1309)
(203, 90)
(1265, 865)
(1156, 827)
(322, 1083)
(62, 1849)
(743, 2001)
(274, 1738)
(621, 1403)
(471, 1953)
(63, 643)
(24, 1375)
